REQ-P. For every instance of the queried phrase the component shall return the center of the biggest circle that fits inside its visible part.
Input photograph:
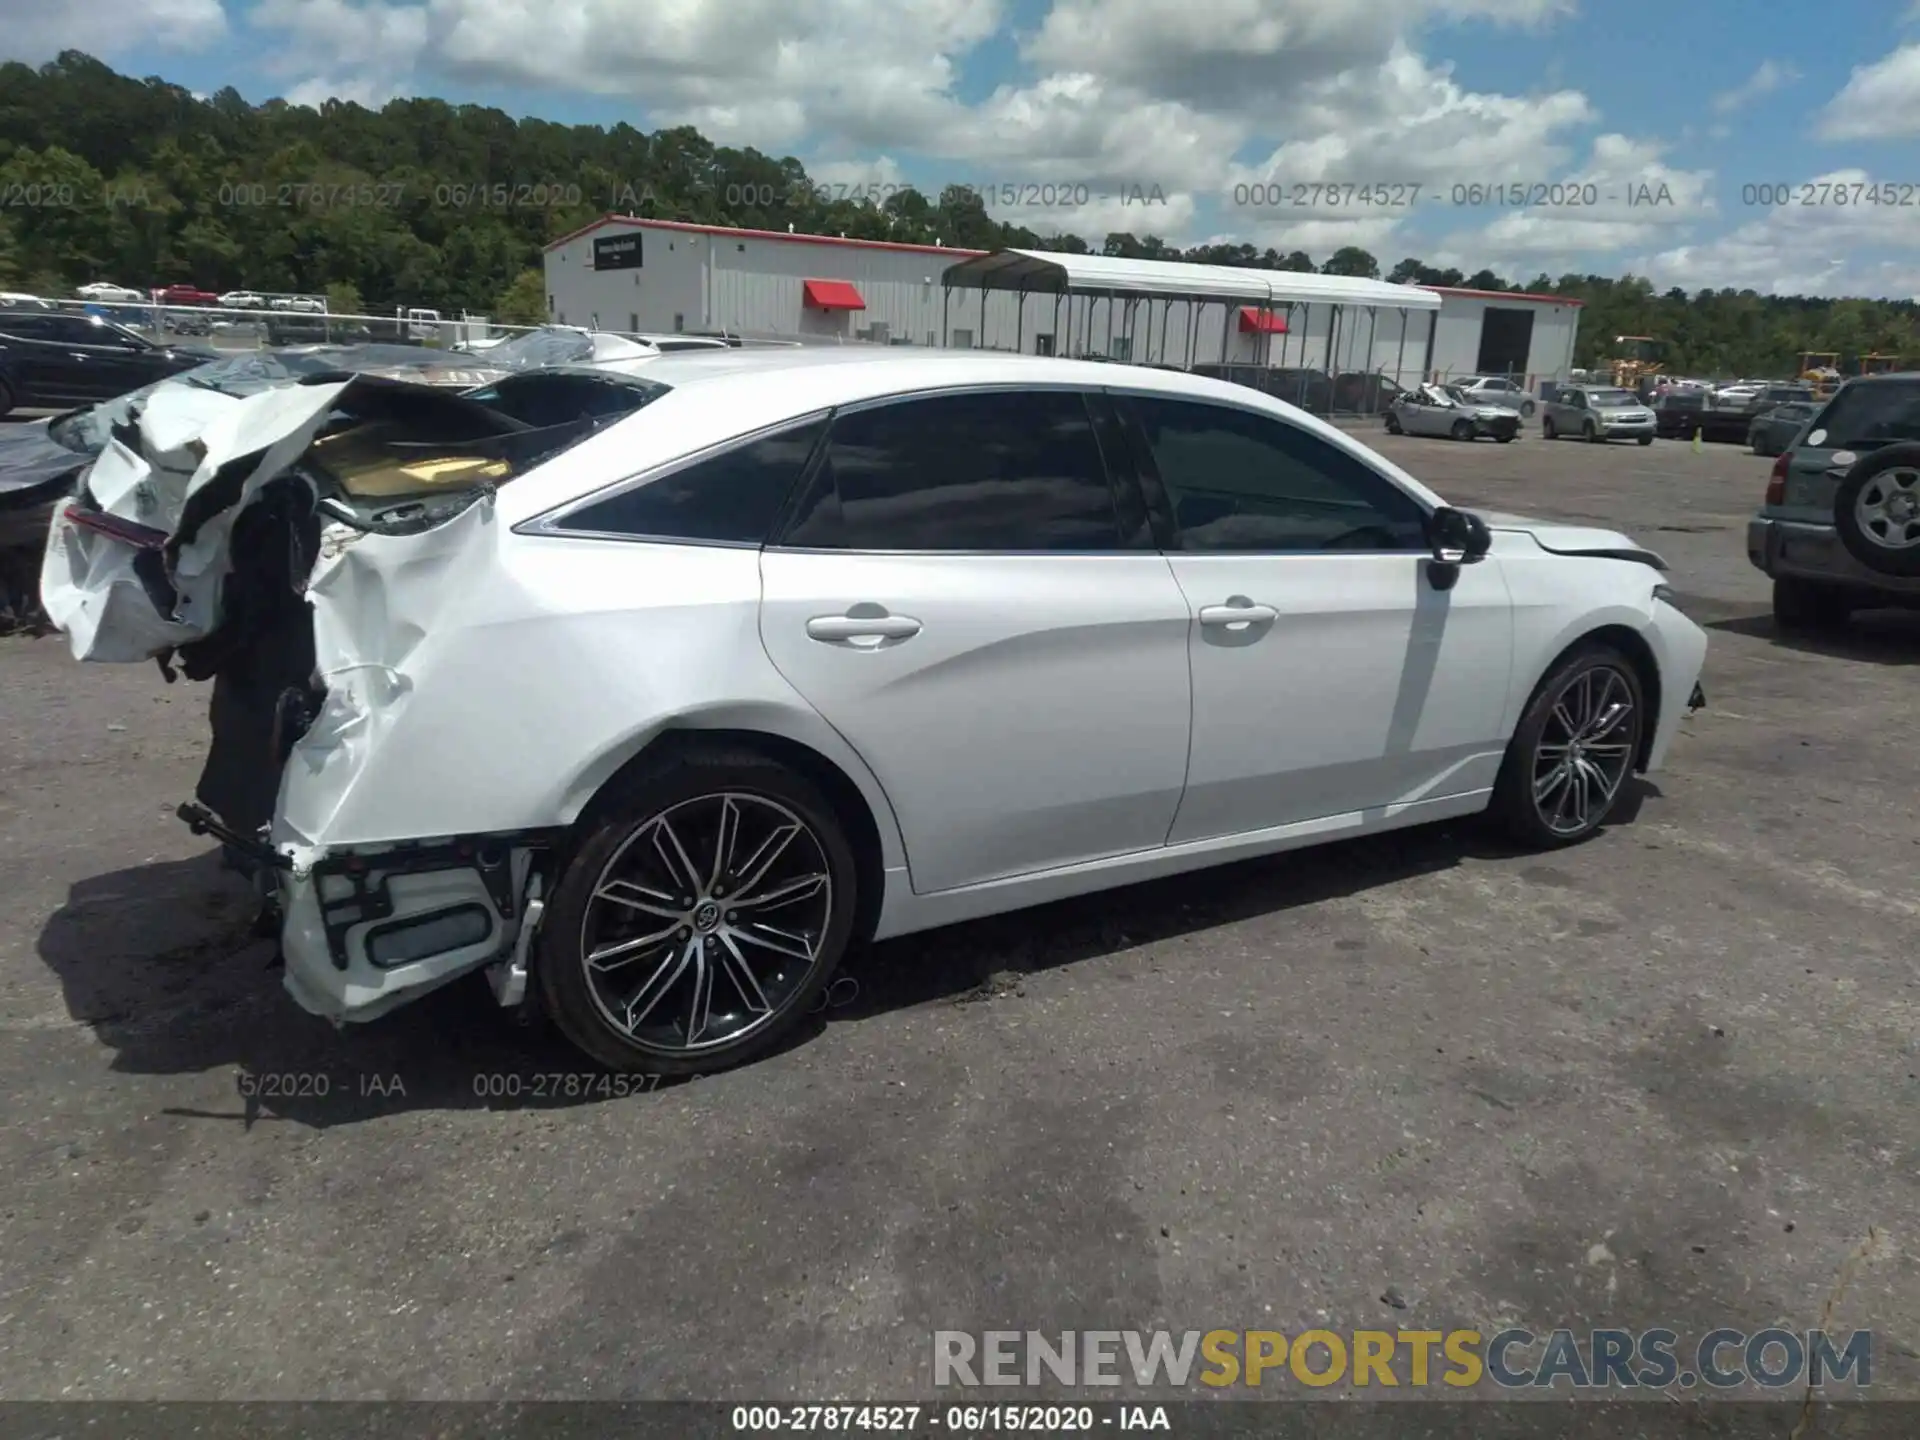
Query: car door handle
(1237, 614)
(862, 627)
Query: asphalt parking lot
(1668, 1078)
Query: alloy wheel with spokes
(1574, 749)
(705, 921)
(1888, 508)
(1585, 750)
(694, 927)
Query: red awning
(833, 295)
(1255, 321)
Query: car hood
(31, 461)
(1562, 539)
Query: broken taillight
(1777, 479)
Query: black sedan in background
(1772, 432)
(1677, 413)
(52, 360)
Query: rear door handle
(862, 627)
(1237, 614)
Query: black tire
(621, 830)
(1462, 430)
(1547, 432)
(1504, 439)
(1883, 481)
(1593, 435)
(1646, 439)
(1514, 808)
(1393, 423)
(1526, 409)
(1805, 606)
(6, 398)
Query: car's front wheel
(1573, 750)
(1547, 432)
(1462, 430)
(702, 913)
(1594, 436)
(1646, 439)
(1393, 423)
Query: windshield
(1605, 398)
(1864, 416)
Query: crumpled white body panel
(187, 436)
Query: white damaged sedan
(650, 690)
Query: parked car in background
(1450, 413)
(836, 561)
(299, 304)
(243, 300)
(1497, 390)
(1731, 410)
(1364, 392)
(108, 291)
(186, 295)
(1598, 413)
(1677, 412)
(58, 360)
(1839, 530)
(11, 298)
(1773, 431)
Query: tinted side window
(23, 327)
(993, 471)
(1875, 413)
(1239, 481)
(733, 497)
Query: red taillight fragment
(1777, 480)
(128, 532)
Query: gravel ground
(1666, 1078)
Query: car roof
(722, 395)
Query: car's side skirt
(902, 912)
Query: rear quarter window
(1871, 415)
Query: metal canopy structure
(1126, 288)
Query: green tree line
(422, 202)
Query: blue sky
(1300, 109)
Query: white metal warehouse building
(639, 276)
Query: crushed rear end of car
(309, 549)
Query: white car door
(963, 595)
(1330, 674)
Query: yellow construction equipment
(1878, 364)
(1635, 358)
(1821, 370)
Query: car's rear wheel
(1504, 438)
(1804, 605)
(1547, 432)
(1877, 510)
(1462, 430)
(1526, 409)
(701, 915)
(1573, 750)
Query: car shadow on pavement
(1879, 637)
(987, 958)
(161, 963)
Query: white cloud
(366, 52)
(1796, 249)
(1768, 76)
(1625, 196)
(37, 30)
(1880, 101)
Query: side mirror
(1458, 536)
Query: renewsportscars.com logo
(1510, 1359)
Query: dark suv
(1840, 527)
(1676, 414)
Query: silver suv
(1840, 528)
(1597, 413)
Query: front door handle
(1244, 613)
(862, 627)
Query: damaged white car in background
(650, 687)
